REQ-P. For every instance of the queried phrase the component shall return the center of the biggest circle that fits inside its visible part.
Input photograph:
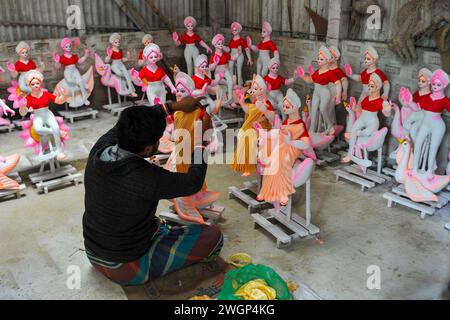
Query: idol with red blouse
(407, 120)
(218, 63)
(432, 128)
(18, 88)
(203, 83)
(371, 58)
(190, 39)
(39, 99)
(340, 74)
(264, 48)
(236, 44)
(368, 123)
(323, 97)
(115, 54)
(77, 86)
(146, 40)
(152, 77)
(274, 83)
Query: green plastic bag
(237, 278)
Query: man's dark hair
(139, 127)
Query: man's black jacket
(121, 201)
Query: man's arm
(171, 185)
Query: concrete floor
(41, 236)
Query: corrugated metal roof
(44, 19)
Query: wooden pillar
(338, 20)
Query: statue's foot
(347, 136)
(284, 201)
(61, 156)
(133, 95)
(429, 176)
(346, 159)
(246, 174)
(332, 131)
(87, 103)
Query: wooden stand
(117, 108)
(399, 196)
(76, 113)
(248, 194)
(231, 119)
(326, 157)
(55, 177)
(143, 101)
(8, 128)
(7, 193)
(300, 228)
(367, 180)
(211, 214)
(18, 123)
(389, 172)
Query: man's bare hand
(199, 136)
(207, 122)
(187, 104)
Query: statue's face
(116, 43)
(275, 68)
(255, 90)
(423, 82)
(219, 45)
(235, 31)
(35, 84)
(264, 33)
(182, 92)
(372, 88)
(153, 58)
(24, 53)
(204, 68)
(147, 42)
(288, 108)
(437, 85)
(190, 26)
(321, 61)
(68, 47)
(369, 60)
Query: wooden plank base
(7, 128)
(389, 172)
(325, 157)
(18, 123)
(7, 193)
(47, 180)
(399, 196)
(296, 225)
(423, 209)
(247, 196)
(117, 107)
(367, 180)
(77, 114)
